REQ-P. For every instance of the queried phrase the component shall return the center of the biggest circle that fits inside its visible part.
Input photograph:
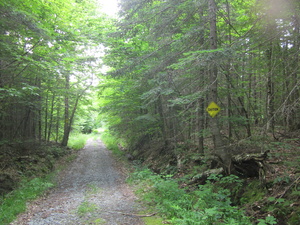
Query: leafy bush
(206, 205)
(269, 220)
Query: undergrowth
(36, 174)
(222, 200)
(207, 204)
(78, 140)
(111, 143)
(15, 202)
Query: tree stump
(251, 165)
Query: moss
(150, 220)
(153, 220)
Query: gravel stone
(90, 191)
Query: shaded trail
(90, 191)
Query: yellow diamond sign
(213, 109)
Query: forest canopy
(149, 78)
(170, 59)
(46, 66)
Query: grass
(153, 220)
(98, 221)
(77, 140)
(29, 189)
(15, 202)
(111, 143)
(86, 207)
(71, 158)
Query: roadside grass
(30, 188)
(154, 220)
(14, 203)
(111, 143)
(78, 140)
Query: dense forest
(170, 59)
(46, 66)
(49, 60)
(149, 77)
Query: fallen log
(201, 178)
(244, 165)
(251, 165)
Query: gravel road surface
(90, 191)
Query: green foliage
(206, 205)
(78, 140)
(15, 202)
(86, 207)
(253, 192)
(153, 220)
(111, 142)
(282, 180)
(269, 220)
(98, 221)
(43, 43)
(295, 217)
(160, 69)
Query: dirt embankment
(90, 191)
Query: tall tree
(197, 52)
(39, 40)
(220, 150)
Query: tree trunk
(66, 115)
(57, 127)
(271, 28)
(228, 73)
(220, 150)
(294, 115)
(51, 117)
(46, 115)
(201, 125)
(201, 100)
(270, 91)
(163, 120)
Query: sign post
(213, 109)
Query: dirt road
(90, 191)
